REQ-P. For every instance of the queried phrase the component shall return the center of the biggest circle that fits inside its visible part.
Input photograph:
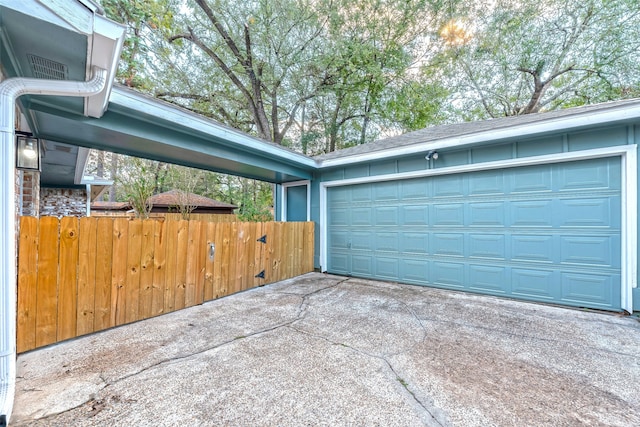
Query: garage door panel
(583, 175)
(414, 270)
(362, 265)
(547, 232)
(361, 193)
(414, 189)
(587, 212)
(531, 180)
(414, 215)
(448, 244)
(448, 274)
(361, 216)
(490, 246)
(595, 289)
(532, 248)
(448, 214)
(338, 217)
(531, 213)
(386, 191)
(489, 182)
(362, 240)
(385, 241)
(539, 284)
(339, 195)
(414, 242)
(448, 186)
(589, 250)
(487, 214)
(338, 239)
(340, 262)
(387, 268)
(488, 278)
(387, 215)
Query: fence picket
(104, 262)
(47, 285)
(27, 281)
(218, 260)
(171, 262)
(209, 262)
(86, 290)
(132, 286)
(146, 268)
(191, 272)
(119, 270)
(258, 254)
(159, 268)
(181, 265)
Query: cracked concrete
(329, 350)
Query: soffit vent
(43, 68)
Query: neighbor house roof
(110, 206)
(494, 130)
(171, 198)
(166, 200)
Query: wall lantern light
(27, 152)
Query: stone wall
(63, 202)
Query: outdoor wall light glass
(432, 154)
(27, 152)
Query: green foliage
(138, 184)
(146, 20)
(525, 57)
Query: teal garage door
(546, 233)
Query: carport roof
(139, 125)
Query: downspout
(10, 90)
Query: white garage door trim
(629, 216)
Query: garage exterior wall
(548, 145)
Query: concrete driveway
(327, 350)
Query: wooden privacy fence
(81, 275)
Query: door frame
(283, 197)
(629, 195)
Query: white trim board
(629, 214)
(283, 197)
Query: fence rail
(82, 275)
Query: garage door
(546, 232)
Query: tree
(142, 18)
(309, 74)
(258, 47)
(138, 179)
(511, 58)
(184, 181)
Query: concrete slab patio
(328, 350)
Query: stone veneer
(63, 202)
